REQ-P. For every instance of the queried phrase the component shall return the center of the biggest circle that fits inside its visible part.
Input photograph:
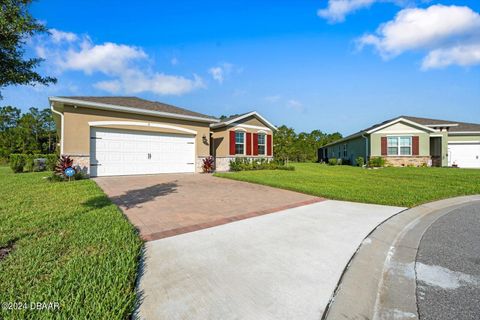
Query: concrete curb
(379, 281)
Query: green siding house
(405, 141)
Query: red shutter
(415, 146)
(384, 146)
(255, 144)
(249, 143)
(269, 145)
(232, 143)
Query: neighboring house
(128, 135)
(406, 140)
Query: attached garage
(127, 152)
(464, 154)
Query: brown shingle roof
(134, 102)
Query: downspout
(61, 127)
(366, 147)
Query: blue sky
(338, 65)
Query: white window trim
(264, 143)
(398, 146)
(244, 143)
(345, 150)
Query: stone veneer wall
(81, 162)
(416, 161)
(223, 163)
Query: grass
(71, 245)
(406, 187)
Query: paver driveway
(169, 204)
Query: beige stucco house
(128, 135)
(407, 140)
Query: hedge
(20, 162)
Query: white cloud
(59, 36)
(223, 70)
(174, 61)
(109, 58)
(459, 55)
(127, 68)
(134, 81)
(337, 10)
(295, 105)
(217, 73)
(441, 31)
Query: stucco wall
(221, 136)
(77, 129)
(400, 129)
(356, 147)
(454, 138)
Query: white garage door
(464, 155)
(123, 152)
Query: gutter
(61, 127)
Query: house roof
(237, 117)
(134, 103)
(453, 126)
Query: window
(345, 150)
(261, 144)
(239, 142)
(399, 146)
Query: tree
(32, 132)
(301, 147)
(16, 26)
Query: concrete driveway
(278, 266)
(169, 204)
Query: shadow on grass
(140, 295)
(133, 198)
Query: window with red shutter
(232, 143)
(269, 145)
(255, 144)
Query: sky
(332, 65)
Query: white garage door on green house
(411, 141)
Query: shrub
(51, 161)
(376, 162)
(360, 161)
(29, 162)
(208, 164)
(332, 161)
(28, 167)
(245, 164)
(17, 162)
(63, 163)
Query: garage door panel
(121, 152)
(464, 155)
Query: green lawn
(405, 187)
(71, 245)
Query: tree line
(32, 132)
(300, 147)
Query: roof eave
(398, 120)
(105, 106)
(246, 115)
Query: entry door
(464, 155)
(125, 152)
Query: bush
(208, 164)
(246, 164)
(360, 161)
(376, 162)
(17, 162)
(332, 161)
(28, 162)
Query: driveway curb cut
(379, 280)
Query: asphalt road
(448, 267)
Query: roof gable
(239, 118)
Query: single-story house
(406, 140)
(127, 135)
